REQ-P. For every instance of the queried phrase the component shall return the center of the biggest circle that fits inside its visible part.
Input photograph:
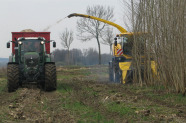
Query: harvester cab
(120, 66)
(31, 61)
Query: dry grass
(3, 72)
(81, 96)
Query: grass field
(84, 94)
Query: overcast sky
(17, 15)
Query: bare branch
(89, 28)
(66, 38)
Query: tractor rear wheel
(13, 77)
(50, 77)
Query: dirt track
(33, 105)
(80, 97)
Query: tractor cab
(31, 47)
(31, 44)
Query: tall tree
(108, 38)
(89, 29)
(66, 40)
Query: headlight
(20, 42)
(42, 42)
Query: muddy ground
(84, 94)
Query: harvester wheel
(13, 77)
(117, 77)
(50, 77)
(110, 72)
(116, 73)
(129, 76)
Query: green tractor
(31, 61)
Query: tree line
(163, 25)
(78, 57)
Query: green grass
(71, 73)
(172, 98)
(3, 117)
(83, 112)
(128, 110)
(67, 77)
(64, 87)
(159, 93)
(70, 101)
(3, 85)
(86, 113)
(73, 66)
(122, 109)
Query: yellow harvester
(121, 69)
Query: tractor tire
(13, 77)
(50, 77)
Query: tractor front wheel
(13, 77)
(50, 77)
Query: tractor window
(31, 45)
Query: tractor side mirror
(54, 44)
(115, 42)
(8, 45)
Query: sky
(17, 15)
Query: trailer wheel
(13, 77)
(50, 77)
